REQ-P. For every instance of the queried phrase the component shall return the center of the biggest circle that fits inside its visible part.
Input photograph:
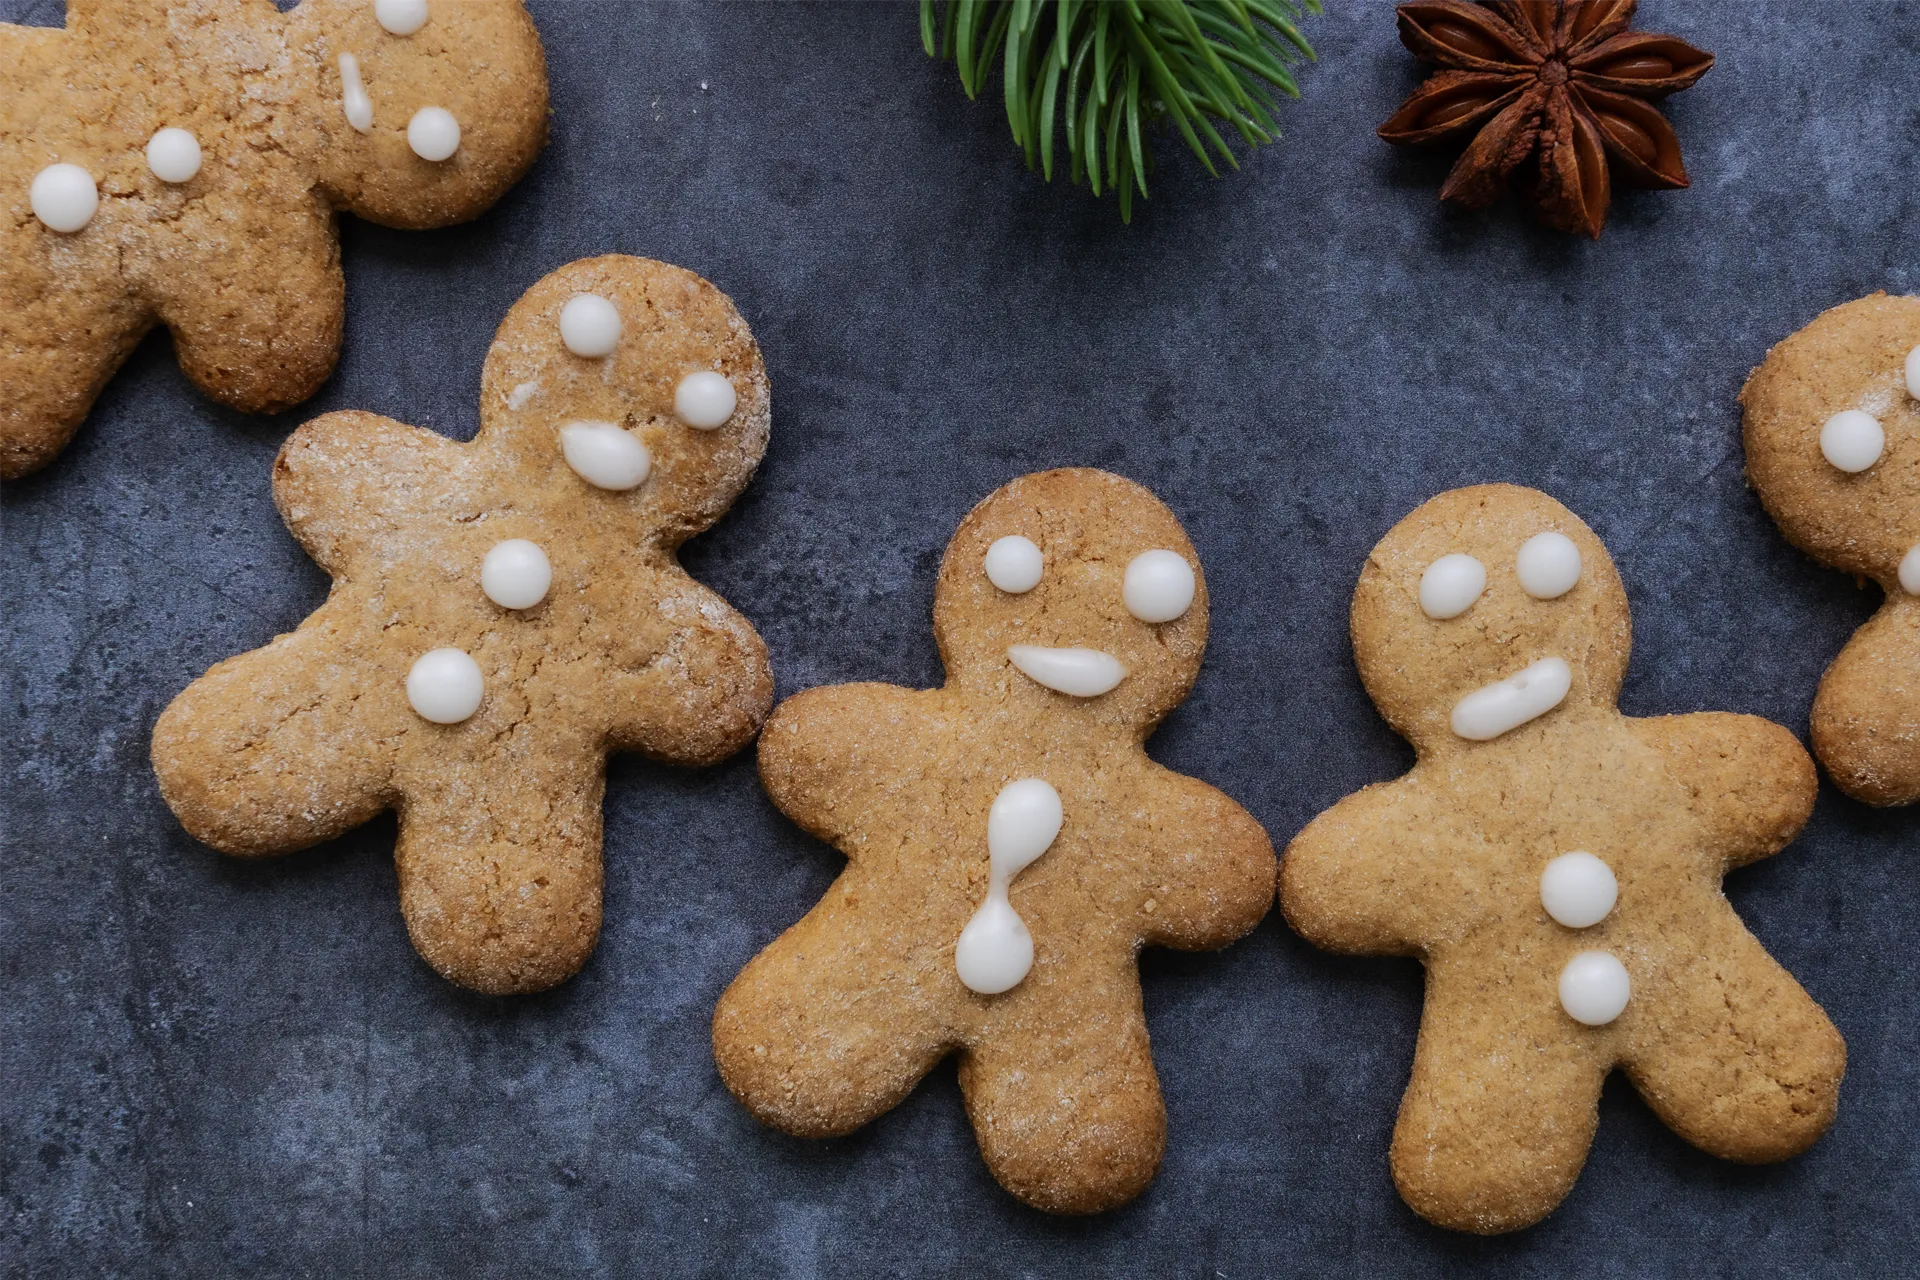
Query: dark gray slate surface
(214, 1068)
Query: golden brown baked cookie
(1833, 450)
(1556, 866)
(504, 613)
(1071, 618)
(179, 162)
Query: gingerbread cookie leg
(1866, 717)
(56, 353)
(1464, 1154)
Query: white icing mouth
(1082, 673)
(1508, 704)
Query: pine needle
(1099, 73)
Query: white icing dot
(1913, 373)
(604, 455)
(353, 95)
(1910, 571)
(1507, 704)
(444, 686)
(995, 950)
(1014, 564)
(1158, 586)
(1578, 890)
(1548, 565)
(1450, 586)
(1852, 440)
(433, 133)
(589, 325)
(516, 574)
(173, 155)
(63, 197)
(400, 17)
(1594, 988)
(704, 400)
(1080, 673)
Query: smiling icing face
(1485, 610)
(1076, 587)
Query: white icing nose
(1083, 673)
(1508, 704)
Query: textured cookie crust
(499, 850)
(1866, 717)
(1445, 864)
(837, 1020)
(241, 261)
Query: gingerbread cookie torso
(1010, 848)
(179, 162)
(1833, 449)
(1556, 866)
(504, 613)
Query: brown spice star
(1563, 84)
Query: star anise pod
(1561, 84)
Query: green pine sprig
(1102, 71)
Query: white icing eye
(604, 455)
(1910, 571)
(589, 325)
(1014, 564)
(704, 400)
(63, 197)
(400, 17)
(353, 95)
(1578, 890)
(516, 574)
(1548, 565)
(433, 133)
(1450, 585)
(444, 686)
(173, 155)
(1158, 586)
(1913, 373)
(1852, 440)
(1594, 988)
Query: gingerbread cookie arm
(1740, 1062)
(1363, 878)
(348, 482)
(277, 749)
(1866, 717)
(826, 752)
(1213, 866)
(704, 697)
(1751, 783)
(1497, 1119)
(1066, 1104)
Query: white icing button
(400, 17)
(433, 133)
(1852, 440)
(995, 951)
(1594, 988)
(353, 95)
(604, 455)
(1450, 585)
(589, 325)
(444, 686)
(1014, 564)
(1910, 571)
(704, 400)
(173, 155)
(1548, 565)
(1913, 373)
(516, 574)
(1508, 704)
(1158, 586)
(1083, 673)
(1578, 890)
(63, 197)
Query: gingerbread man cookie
(1556, 866)
(1833, 450)
(1010, 848)
(179, 162)
(504, 613)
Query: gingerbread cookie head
(1493, 578)
(415, 110)
(1833, 449)
(504, 613)
(1080, 583)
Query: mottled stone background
(216, 1068)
